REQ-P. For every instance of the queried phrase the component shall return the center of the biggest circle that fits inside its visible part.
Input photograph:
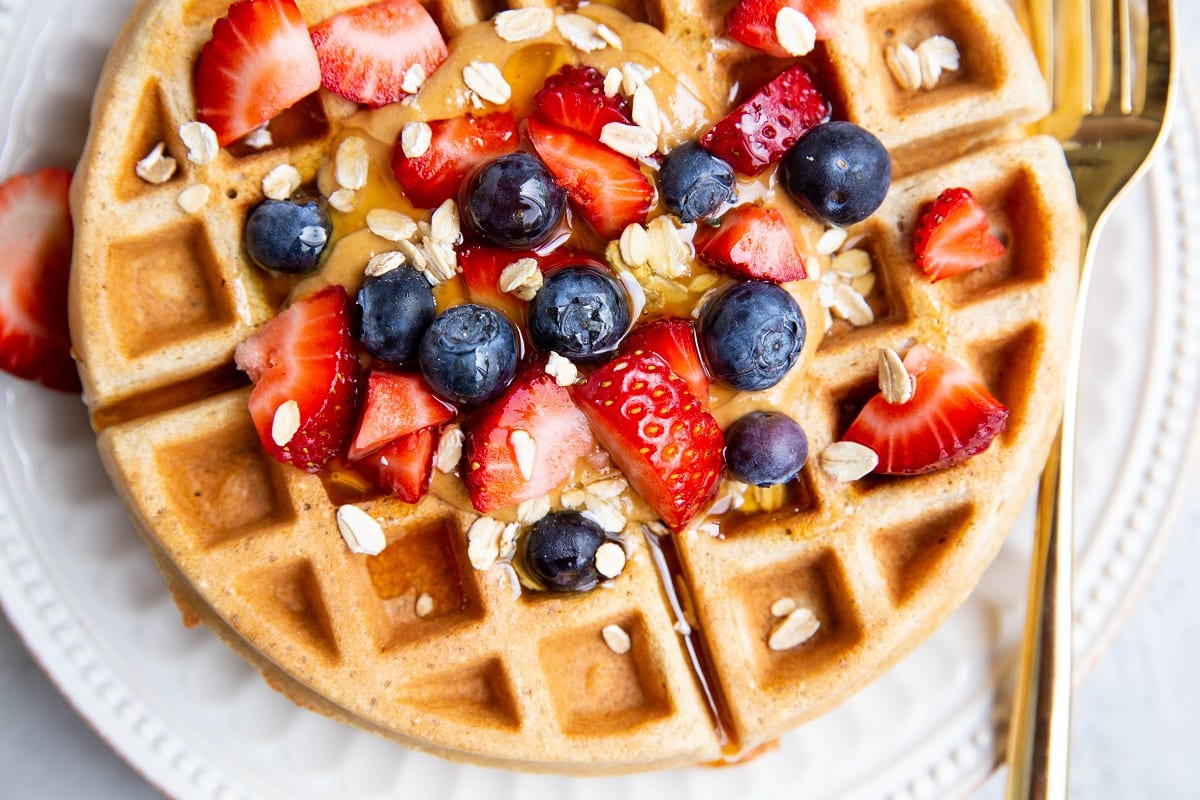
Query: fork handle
(1039, 737)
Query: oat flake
(350, 163)
(610, 559)
(280, 182)
(395, 226)
(342, 200)
(848, 461)
(424, 605)
(414, 79)
(383, 263)
(581, 32)
(525, 450)
(831, 241)
(612, 82)
(485, 79)
(449, 449)
(633, 141)
(895, 384)
(617, 639)
(415, 138)
(156, 167)
(201, 142)
(561, 369)
(483, 542)
(905, 66)
(783, 607)
(361, 531)
(794, 630)
(795, 31)
(285, 423)
(522, 24)
(194, 197)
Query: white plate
(199, 723)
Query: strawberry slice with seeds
(954, 236)
(481, 267)
(259, 62)
(524, 444)
(35, 237)
(305, 356)
(574, 98)
(757, 133)
(752, 22)
(457, 146)
(674, 340)
(950, 417)
(606, 188)
(365, 52)
(753, 242)
(396, 404)
(657, 432)
(403, 467)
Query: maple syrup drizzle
(666, 562)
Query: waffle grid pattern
(482, 675)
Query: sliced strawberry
(305, 354)
(365, 51)
(605, 187)
(404, 466)
(574, 98)
(657, 432)
(457, 146)
(752, 22)
(481, 267)
(753, 242)
(533, 410)
(674, 340)
(953, 236)
(35, 238)
(950, 417)
(259, 62)
(757, 133)
(396, 404)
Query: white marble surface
(1137, 716)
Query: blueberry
(751, 335)
(579, 312)
(838, 172)
(695, 183)
(765, 448)
(469, 354)
(513, 201)
(560, 551)
(397, 307)
(288, 235)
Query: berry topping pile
(589, 291)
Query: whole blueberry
(838, 172)
(579, 312)
(751, 335)
(765, 448)
(469, 354)
(513, 201)
(396, 307)
(288, 235)
(695, 183)
(560, 551)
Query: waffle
(160, 298)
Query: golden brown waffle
(161, 297)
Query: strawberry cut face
(950, 417)
(757, 133)
(752, 22)
(259, 62)
(458, 145)
(954, 236)
(404, 466)
(752, 242)
(606, 188)
(365, 52)
(524, 444)
(36, 235)
(396, 404)
(656, 431)
(305, 355)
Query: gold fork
(1111, 67)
